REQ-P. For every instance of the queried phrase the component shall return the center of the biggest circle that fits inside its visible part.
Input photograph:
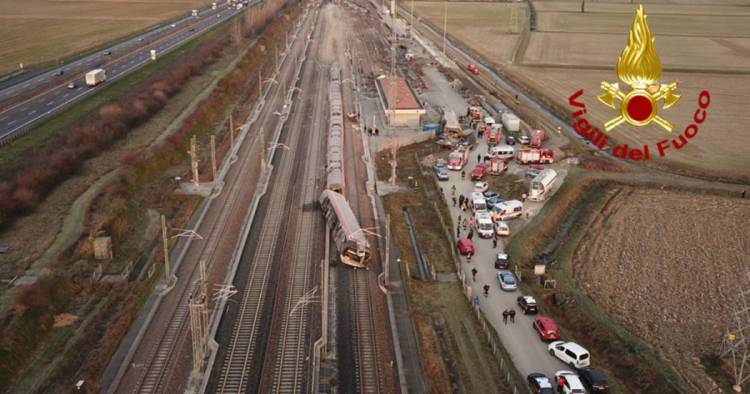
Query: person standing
(458, 231)
(494, 243)
(479, 158)
(505, 316)
(461, 200)
(474, 274)
(512, 314)
(453, 190)
(454, 201)
(471, 233)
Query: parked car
(524, 140)
(502, 261)
(72, 85)
(441, 171)
(4, 249)
(444, 143)
(532, 173)
(479, 172)
(546, 328)
(594, 380)
(507, 280)
(481, 187)
(489, 194)
(568, 382)
(502, 229)
(492, 201)
(539, 384)
(570, 353)
(465, 246)
(510, 139)
(527, 304)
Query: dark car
(510, 139)
(502, 261)
(539, 384)
(4, 249)
(527, 304)
(489, 194)
(593, 379)
(59, 72)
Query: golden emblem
(639, 67)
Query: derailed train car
(350, 240)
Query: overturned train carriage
(350, 240)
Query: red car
(473, 69)
(546, 328)
(465, 246)
(479, 172)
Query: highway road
(25, 100)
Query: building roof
(395, 88)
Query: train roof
(349, 223)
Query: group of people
(464, 203)
(370, 131)
(509, 313)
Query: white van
(502, 151)
(570, 353)
(542, 184)
(509, 209)
(478, 203)
(484, 224)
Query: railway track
(246, 361)
(368, 375)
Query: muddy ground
(667, 266)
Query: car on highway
(481, 187)
(527, 304)
(465, 246)
(59, 72)
(593, 380)
(568, 383)
(570, 353)
(539, 384)
(191, 29)
(502, 229)
(107, 53)
(72, 85)
(524, 140)
(502, 261)
(507, 280)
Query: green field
(43, 31)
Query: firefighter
(486, 290)
(474, 274)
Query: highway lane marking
(65, 95)
(32, 112)
(50, 103)
(11, 122)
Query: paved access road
(26, 101)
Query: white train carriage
(335, 178)
(350, 240)
(335, 72)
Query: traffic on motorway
(117, 61)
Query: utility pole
(193, 152)
(445, 23)
(213, 157)
(262, 150)
(199, 321)
(387, 249)
(231, 130)
(411, 17)
(260, 85)
(277, 58)
(167, 273)
(736, 341)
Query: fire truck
(458, 159)
(497, 165)
(535, 156)
(494, 135)
(537, 138)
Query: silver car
(507, 280)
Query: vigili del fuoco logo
(639, 68)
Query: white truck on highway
(511, 122)
(95, 77)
